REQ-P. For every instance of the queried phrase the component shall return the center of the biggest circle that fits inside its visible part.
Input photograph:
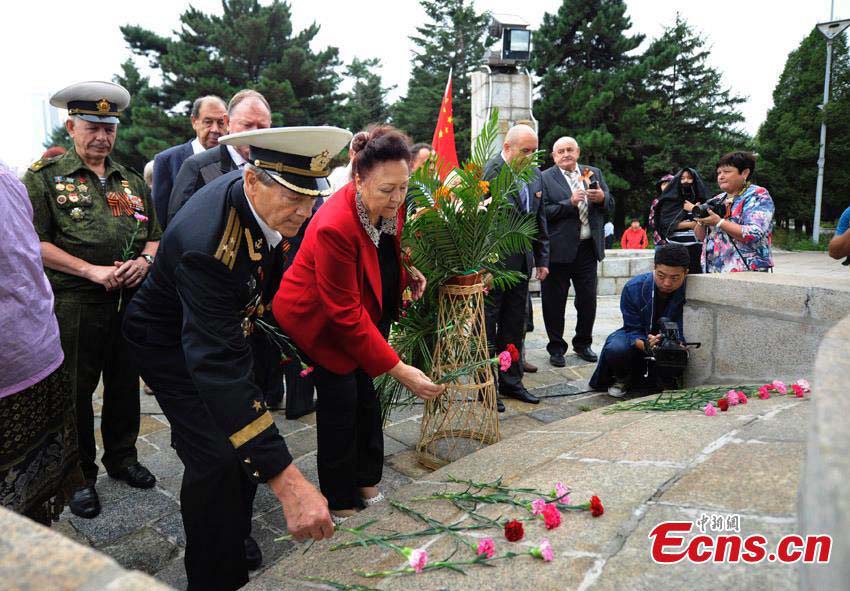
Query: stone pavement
(646, 467)
(141, 529)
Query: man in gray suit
(505, 310)
(576, 199)
(247, 110)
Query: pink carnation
(798, 390)
(543, 551)
(504, 361)
(732, 397)
(537, 506)
(562, 492)
(780, 387)
(804, 384)
(710, 411)
(486, 547)
(306, 371)
(764, 393)
(742, 398)
(140, 217)
(417, 559)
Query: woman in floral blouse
(739, 241)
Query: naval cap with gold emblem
(98, 102)
(295, 157)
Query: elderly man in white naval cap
(189, 325)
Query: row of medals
(82, 198)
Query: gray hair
(148, 173)
(199, 102)
(262, 176)
(244, 95)
(565, 138)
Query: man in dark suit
(505, 310)
(247, 110)
(187, 327)
(576, 199)
(209, 120)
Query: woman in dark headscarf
(671, 213)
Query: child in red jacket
(634, 236)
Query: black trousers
(505, 319)
(94, 345)
(299, 392)
(349, 435)
(216, 495)
(554, 290)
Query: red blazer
(329, 301)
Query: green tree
(366, 101)
(452, 39)
(692, 117)
(789, 139)
(249, 46)
(591, 86)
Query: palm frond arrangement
(464, 226)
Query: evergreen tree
(789, 139)
(453, 39)
(692, 117)
(590, 89)
(365, 102)
(248, 46)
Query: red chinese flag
(444, 134)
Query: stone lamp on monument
(504, 82)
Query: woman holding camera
(736, 226)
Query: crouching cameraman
(648, 303)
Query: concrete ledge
(34, 557)
(615, 270)
(823, 500)
(759, 326)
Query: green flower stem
(451, 530)
(454, 565)
(341, 586)
(687, 399)
(465, 370)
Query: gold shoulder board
(228, 246)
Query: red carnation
(551, 516)
(511, 348)
(514, 531)
(596, 508)
(723, 404)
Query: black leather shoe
(587, 354)
(253, 555)
(85, 503)
(557, 360)
(136, 476)
(523, 395)
(500, 406)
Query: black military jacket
(212, 278)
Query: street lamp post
(829, 30)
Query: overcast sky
(47, 45)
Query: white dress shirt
(573, 178)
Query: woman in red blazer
(337, 302)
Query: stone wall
(615, 270)
(759, 326)
(824, 500)
(34, 557)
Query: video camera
(671, 352)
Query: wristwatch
(148, 258)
